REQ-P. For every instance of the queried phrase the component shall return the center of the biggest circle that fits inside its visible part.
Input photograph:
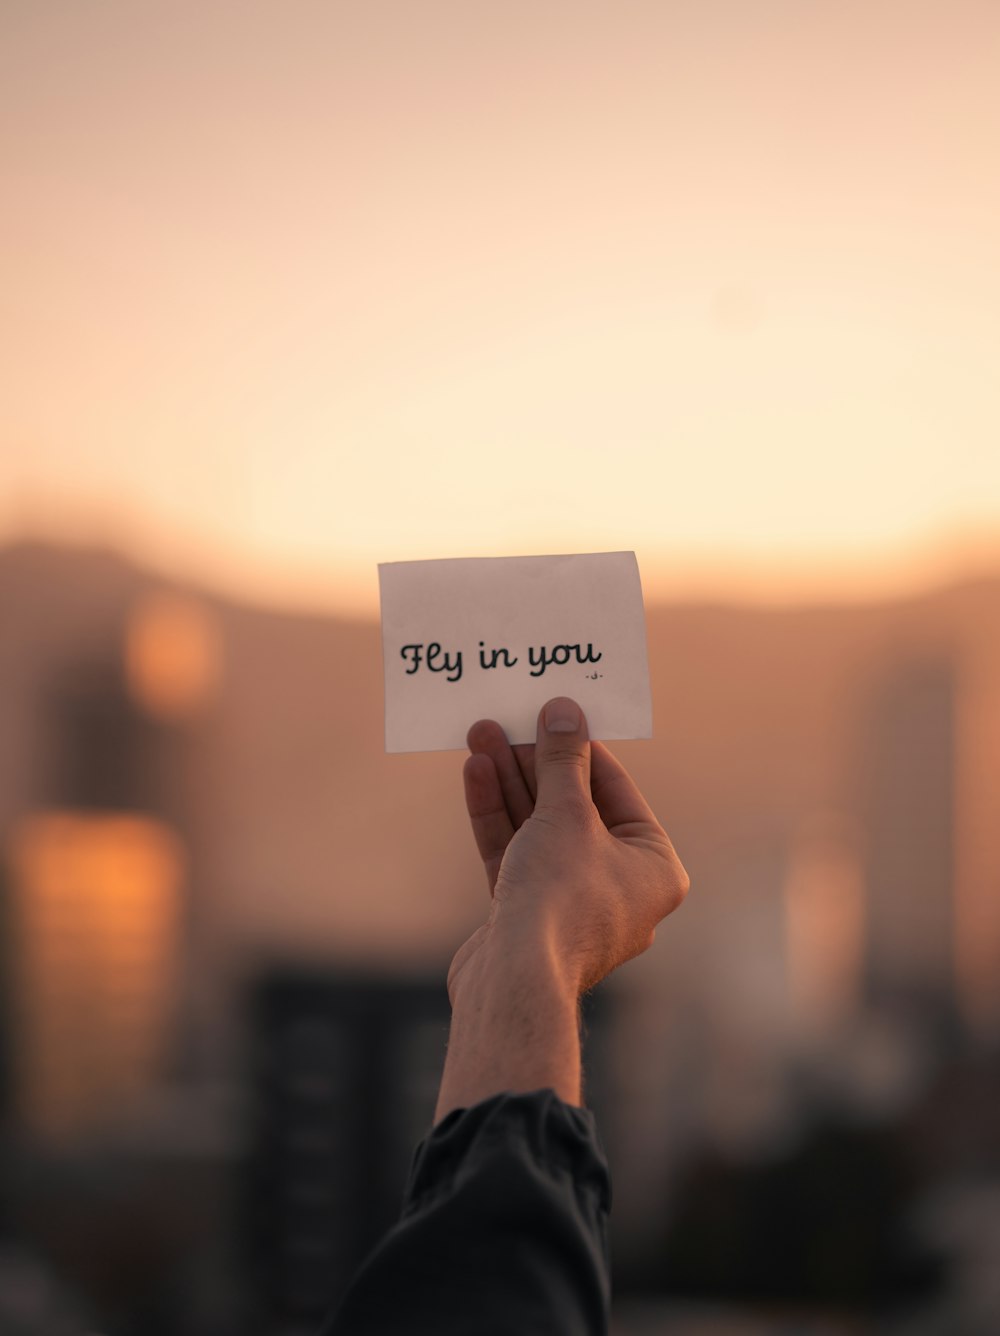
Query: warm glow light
(94, 921)
(173, 654)
(825, 925)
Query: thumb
(562, 754)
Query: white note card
(496, 637)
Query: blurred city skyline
(196, 808)
(797, 756)
(288, 293)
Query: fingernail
(562, 715)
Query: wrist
(515, 955)
(515, 1025)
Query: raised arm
(580, 873)
(504, 1225)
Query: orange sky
(292, 289)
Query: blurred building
(344, 1078)
(977, 830)
(906, 796)
(94, 900)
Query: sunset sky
(292, 288)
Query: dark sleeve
(503, 1230)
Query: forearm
(515, 1027)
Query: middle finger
(487, 737)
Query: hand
(580, 871)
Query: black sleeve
(503, 1230)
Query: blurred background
(289, 290)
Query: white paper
(570, 626)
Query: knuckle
(678, 882)
(671, 890)
(570, 758)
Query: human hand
(580, 871)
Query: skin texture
(580, 872)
